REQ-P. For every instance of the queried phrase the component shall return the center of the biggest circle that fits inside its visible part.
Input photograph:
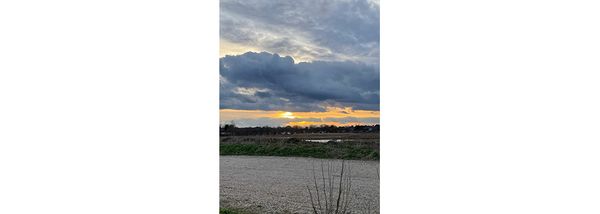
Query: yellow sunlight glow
(288, 115)
(300, 118)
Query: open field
(253, 184)
(351, 146)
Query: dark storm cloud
(329, 30)
(264, 81)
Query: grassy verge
(298, 148)
(236, 210)
(227, 211)
(230, 211)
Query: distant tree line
(232, 130)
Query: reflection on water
(324, 140)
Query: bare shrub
(329, 194)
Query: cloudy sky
(299, 62)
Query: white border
(108, 106)
(490, 107)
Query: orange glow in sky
(331, 116)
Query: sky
(307, 62)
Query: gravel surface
(278, 184)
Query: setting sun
(288, 115)
(338, 116)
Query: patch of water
(323, 140)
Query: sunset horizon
(334, 116)
(322, 68)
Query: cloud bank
(265, 81)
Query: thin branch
(331, 180)
(337, 204)
(316, 187)
(324, 189)
(311, 200)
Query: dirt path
(278, 184)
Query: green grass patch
(295, 148)
(229, 211)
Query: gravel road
(278, 184)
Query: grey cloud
(272, 82)
(329, 30)
(346, 120)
